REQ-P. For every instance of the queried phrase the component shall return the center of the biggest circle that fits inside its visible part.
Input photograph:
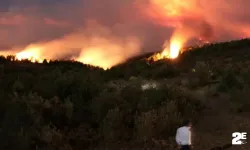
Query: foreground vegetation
(67, 105)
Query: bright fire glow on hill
(33, 54)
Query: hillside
(139, 104)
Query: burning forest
(123, 30)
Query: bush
(229, 81)
(157, 122)
(200, 75)
(131, 113)
(240, 100)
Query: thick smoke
(213, 20)
(95, 32)
(109, 32)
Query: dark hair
(186, 122)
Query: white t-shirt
(183, 136)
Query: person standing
(183, 136)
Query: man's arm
(190, 137)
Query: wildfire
(175, 48)
(169, 53)
(31, 53)
(93, 56)
(105, 47)
(172, 50)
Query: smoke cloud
(106, 33)
(215, 20)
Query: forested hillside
(67, 105)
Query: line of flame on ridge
(37, 53)
(34, 53)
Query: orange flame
(31, 53)
(95, 45)
(172, 50)
(171, 13)
(175, 48)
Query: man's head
(187, 123)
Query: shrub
(157, 122)
(240, 100)
(229, 80)
(200, 75)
